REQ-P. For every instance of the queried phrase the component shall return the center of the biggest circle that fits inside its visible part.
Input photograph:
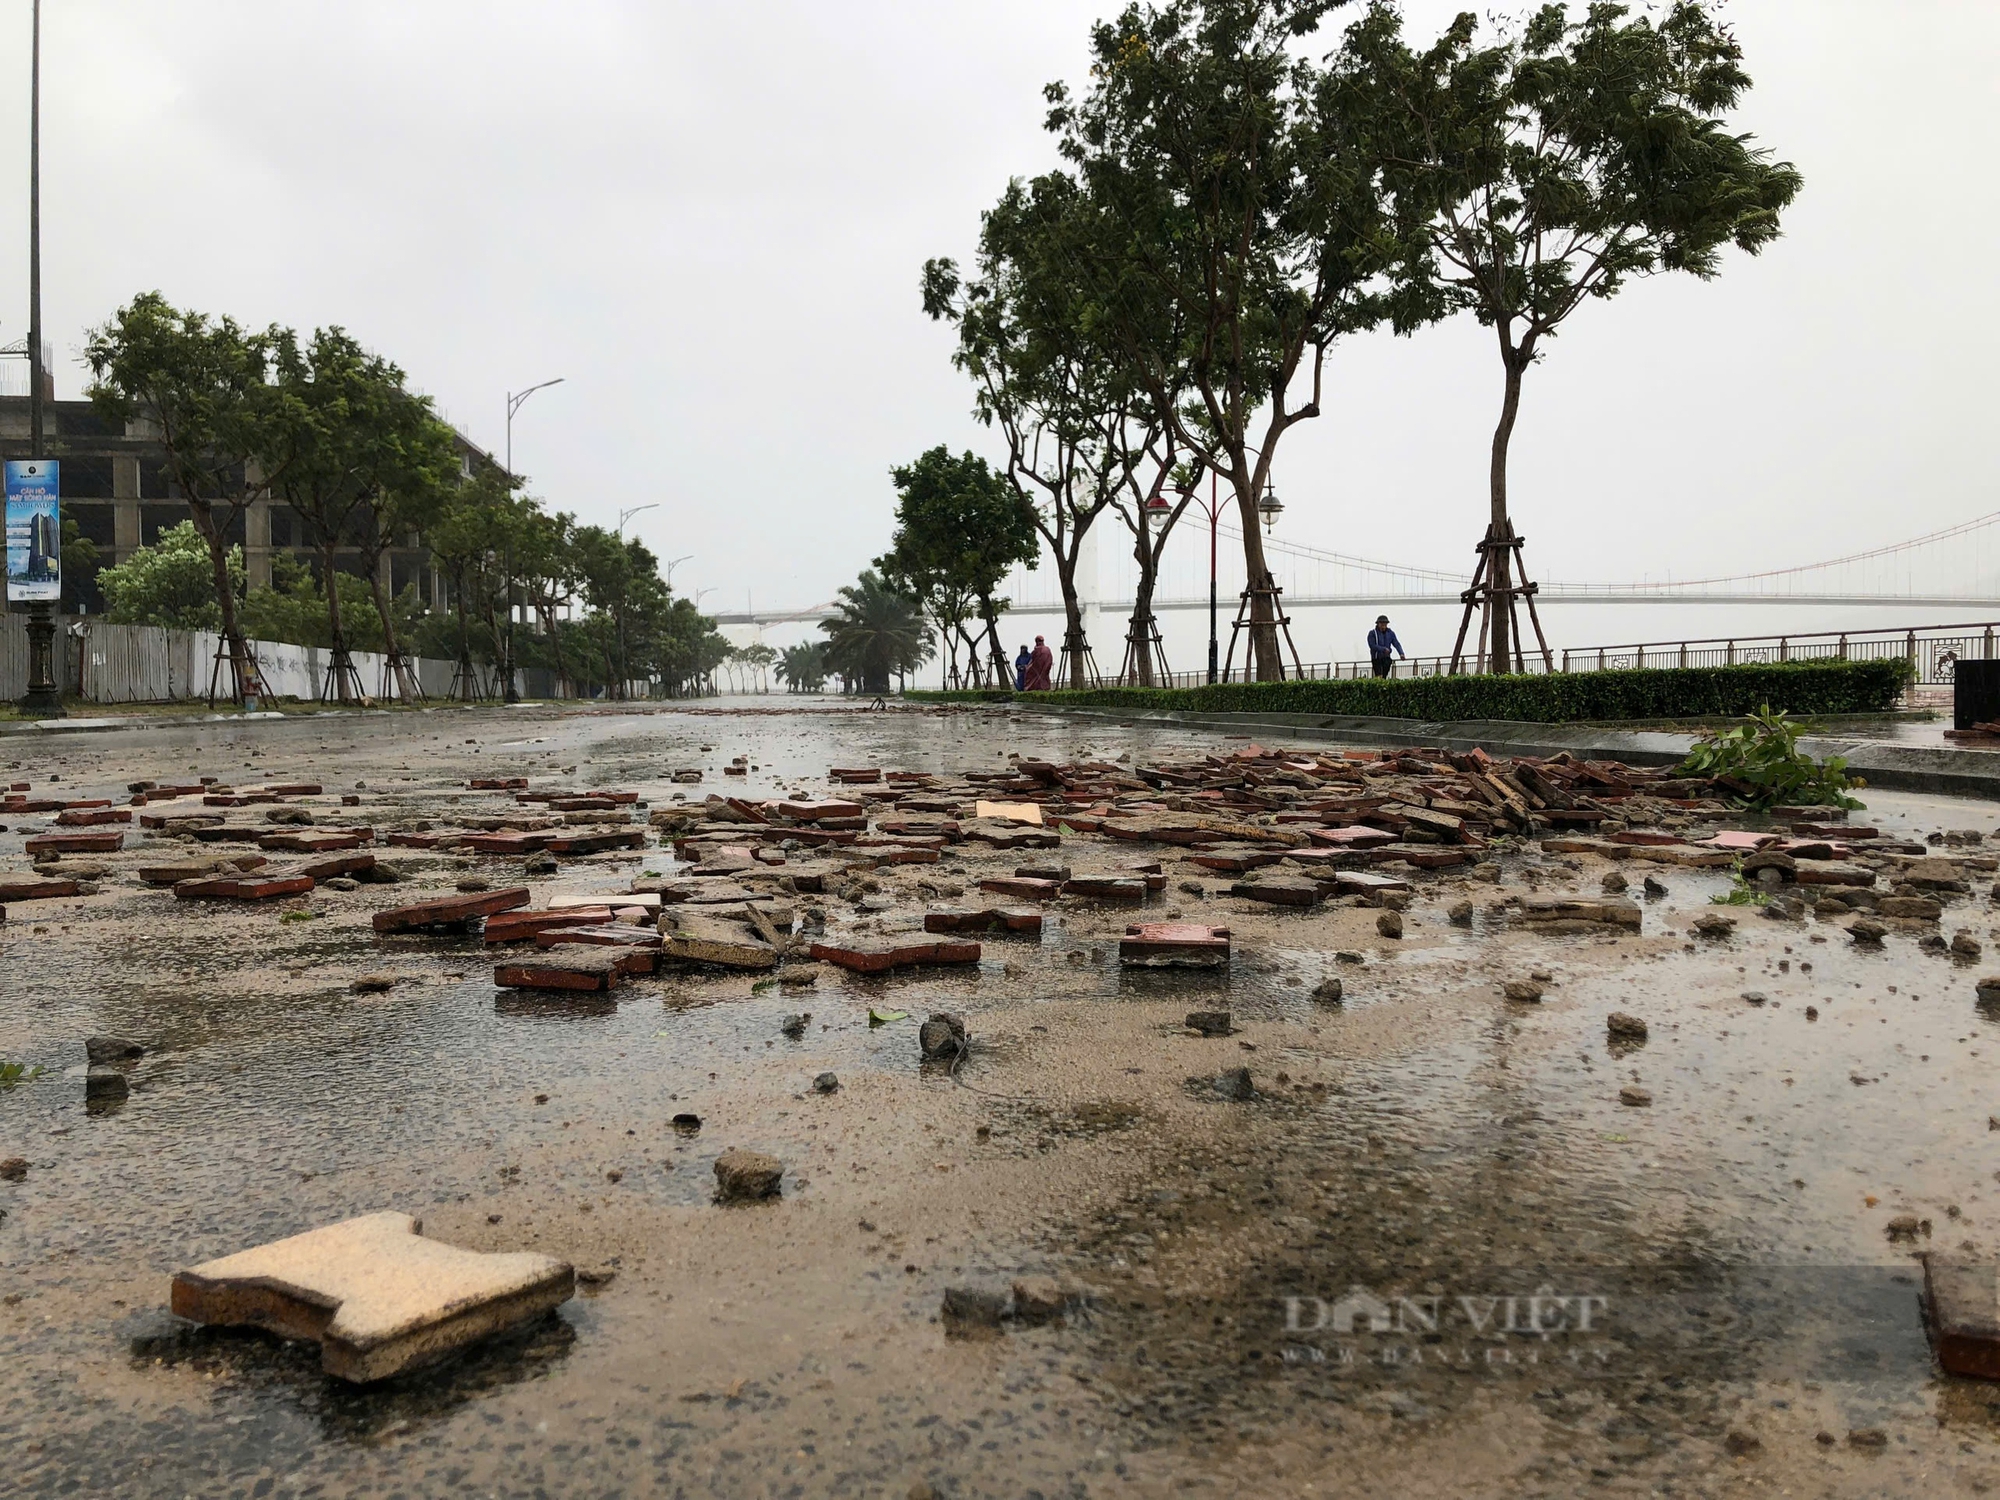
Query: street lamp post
(1213, 505)
(44, 695)
(629, 512)
(511, 693)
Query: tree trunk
(339, 662)
(225, 597)
(1141, 634)
(403, 676)
(1069, 668)
(1002, 673)
(1499, 571)
(1265, 662)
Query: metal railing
(1935, 649)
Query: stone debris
(1634, 1096)
(1390, 924)
(1328, 992)
(14, 1169)
(974, 1311)
(102, 1084)
(746, 1176)
(105, 1050)
(376, 1295)
(1234, 1084)
(1713, 925)
(826, 1083)
(1042, 1299)
(372, 984)
(1208, 1022)
(942, 1037)
(1525, 990)
(1866, 932)
(1623, 1026)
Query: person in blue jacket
(1021, 665)
(1381, 641)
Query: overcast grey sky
(709, 219)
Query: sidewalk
(1882, 756)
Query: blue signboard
(34, 531)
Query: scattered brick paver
(449, 911)
(518, 926)
(242, 887)
(1189, 945)
(34, 888)
(75, 843)
(1026, 919)
(878, 955)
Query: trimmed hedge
(1799, 688)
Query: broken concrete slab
(375, 1295)
(1028, 813)
(449, 911)
(1183, 945)
(701, 938)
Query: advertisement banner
(34, 531)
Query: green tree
(1548, 168)
(1030, 338)
(547, 574)
(757, 658)
(1234, 231)
(342, 429)
(959, 529)
(169, 583)
(802, 668)
(878, 633)
(466, 538)
(203, 388)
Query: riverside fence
(1934, 649)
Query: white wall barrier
(106, 663)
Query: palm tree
(802, 668)
(877, 632)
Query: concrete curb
(1908, 768)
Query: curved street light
(512, 694)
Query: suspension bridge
(1944, 568)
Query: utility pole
(511, 693)
(44, 695)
